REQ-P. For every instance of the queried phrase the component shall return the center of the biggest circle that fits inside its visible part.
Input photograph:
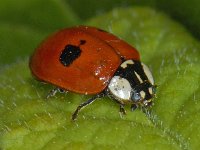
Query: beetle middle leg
(86, 103)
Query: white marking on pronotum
(138, 76)
(120, 88)
(148, 73)
(124, 64)
(150, 91)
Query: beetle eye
(136, 96)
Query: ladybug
(88, 60)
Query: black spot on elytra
(70, 53)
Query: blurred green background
(165, 32)
(35, 19)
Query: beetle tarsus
(81, 106)
(75, 114)
(133, 107)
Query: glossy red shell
(91, 72)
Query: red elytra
(101, 54)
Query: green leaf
(17, 42)
(29, 121)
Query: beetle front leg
(133, 107)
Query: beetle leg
(122, 111)
(54, 91)
(133, 107)
(89, 101)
